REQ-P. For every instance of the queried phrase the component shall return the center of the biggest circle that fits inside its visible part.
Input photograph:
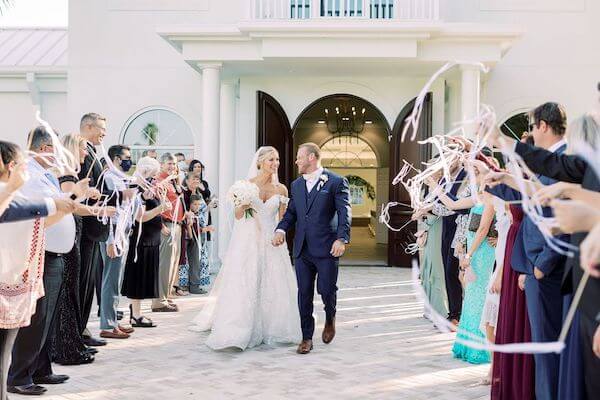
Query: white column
(207, 147)
(470, 94)
(226, 160)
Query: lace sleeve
(441, 210)
(284, 200)
(462, 224)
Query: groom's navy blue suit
(320, 218)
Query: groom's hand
(278, 239)
(338, 248)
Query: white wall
(18, 116)
(557, 59)
(119, 65)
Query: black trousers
(31, 356)
(453, 285)
(7, 340)
(591, 363)
(91, 264)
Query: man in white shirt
(31, 360)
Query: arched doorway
(273, 128)
(353, 136)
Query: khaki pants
(168, 265)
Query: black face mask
(126, 165)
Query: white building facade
(215, 79)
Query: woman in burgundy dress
(513, 374)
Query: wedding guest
(432, 267)
(537, 260)
(92, 128)
(14, 207)
(572, 168)
(489, 316)
(197, 249)
(197, 246)
(198, 168)
(476, 265)
(31, 364)
(22, 261)
(140, 278)
(113, 250)
(68, 347)
(150, 153)
(170, 240)
(451, 268)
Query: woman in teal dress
(432, 270)
(478, 264)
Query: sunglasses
(531, 126)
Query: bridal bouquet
(242, 193)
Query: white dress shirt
(312, 179)
(557, 145)
(60, 237)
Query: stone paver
(384, 349)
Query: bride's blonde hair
(264, 153)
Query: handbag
(475, 221)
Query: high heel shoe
(141, 322)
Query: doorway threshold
(363, 263)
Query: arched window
(160, 129)
(348, 152)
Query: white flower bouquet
(243, 193)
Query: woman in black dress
(197, 167)
(68, 347)
(140, 278)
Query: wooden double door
(274, 129)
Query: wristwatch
(343, 240)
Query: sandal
(180, 292)
(142, 322)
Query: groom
(319, 208)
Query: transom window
(348, 152)
(160, 129)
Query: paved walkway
(384, 350)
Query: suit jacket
(21, 209)
(321, 216)
(92, 229)
(530, 248)
(568, 168)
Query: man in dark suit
(533, 257)
(571, 168)
(93, 128)
(451, 263)
(319, 209)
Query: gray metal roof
(33, 48)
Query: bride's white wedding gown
(254, 298)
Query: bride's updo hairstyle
(263, 154)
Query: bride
(254, 298)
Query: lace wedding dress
(254, 298)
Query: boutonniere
(322, 181)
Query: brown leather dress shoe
(305, 347)
(114, 334)
(329, 331)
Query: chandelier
(345, 121)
